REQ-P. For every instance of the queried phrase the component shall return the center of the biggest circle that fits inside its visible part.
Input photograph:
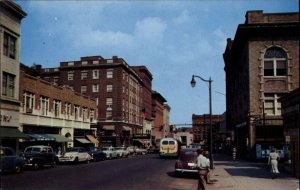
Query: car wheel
(87, 161)
(76, 160)
(35, 165)
(53, 164)
(18, 169)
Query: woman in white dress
(273, 160)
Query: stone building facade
(261, 65)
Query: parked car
(9, 161)
(141, 151)
(75, 155)
(122, 152)
(110, 152)
(153, 150)
(131, 149)
(39, 156)
(96, 153)
(186, 162)
(135, 150)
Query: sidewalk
(243, 175)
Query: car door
(7, 159)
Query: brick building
(118, 90)
(261, 65)
(201, 127)
(11, 15)
(55, 114)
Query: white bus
(169, 147)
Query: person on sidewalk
(203, 168)
(273, 161)
(207, 177)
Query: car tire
(76, 160)
(18, 169)
(54, 163)
(35, 166)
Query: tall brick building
(261, 65)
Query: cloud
(182, 18)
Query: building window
(56, 107)
(95, 88)
(271, 104)
(95, 62)
(109, 73)
(68, 109)
(97, 101)
(83, 89)
(8, 84)
(70, 75)
(109, 101)
(55, 79)
(92, 115)
(77, 112)
(95, 74)
(29, 100)
(84, 62)
(83, 75)
(9, 46)
(109, 88)
(275, 62)
(84, 114)
(109, 113)
(44, 101)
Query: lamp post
(193, 84)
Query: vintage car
(75, 155)
(96, 153)
(39, 155)
(186, 162)
(110, 152)
(9, 161)
(122, 152)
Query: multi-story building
(158, 114)
(118, 90)
(261, 65)
(55, 115)
(184, 135)
(291, 122)
(10, 20)
(201, 127)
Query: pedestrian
(207, 177)
(273, 161)
(234, 153)
(203, 168)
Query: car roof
(38, 146)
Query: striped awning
(83, 141)
(92, 139)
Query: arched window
(275, 62)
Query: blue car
(9, 161)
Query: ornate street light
(193, 84)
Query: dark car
(9, 161)
(96, 153)
(38, 156)
(186, 162)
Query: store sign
(5, 118)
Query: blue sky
(173, 39)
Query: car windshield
(93, 149)
(188, 156)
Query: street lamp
(193, 84)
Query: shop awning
(40, 137)
(92, 139)
(60, 138)
(109, 127)
(125, 128)
(11, 132)
(83, 140)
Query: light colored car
(75, 154)
(110, 152)
(122, 152)
(135, 150)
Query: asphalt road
(145, 172)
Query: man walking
(203, 169)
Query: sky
(173, 39)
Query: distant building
(291, 122)
(11, 15)
(184, 135)
(261, 65)
(166, 121)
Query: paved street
(242, 175)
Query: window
(77, 112)
(56, 108)
(109, 73)
(83, 75)
(92, 113)
(83, 89)
(271, 104)
(84, 62)
(55, 79)
(70, 75)
(109, 114)
(9, 46)
(68, 109)
(8, 84)
(84, 114)
(95, 62)
(109, 88)
(95, 88)
(44, 105)
(29, 99)
(109, 101)
(95, 74)
(275, 62)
